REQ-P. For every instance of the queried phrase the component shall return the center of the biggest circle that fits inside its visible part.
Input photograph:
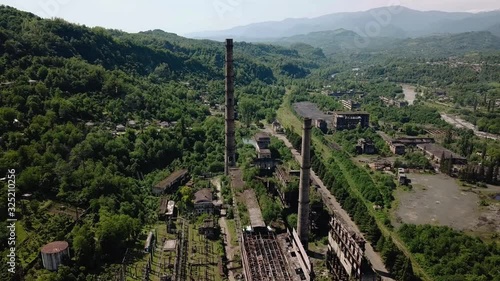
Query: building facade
(350, 120)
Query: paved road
(334, 206)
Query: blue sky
(184, 16)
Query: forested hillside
(64, 90)
(343, 41)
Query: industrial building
(350, 120)
(262, 140)
(264, 158)
(174, 180)
(208, 228)
(267, 256)
(398, 145)
(436, 152)
(397, 148)
(350, 105)
(321, 120)
(365, 146)
(53, 254)
(289, 197)
(392, 102)
(345, 257)
(203, 202)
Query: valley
(153, 156)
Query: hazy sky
(184, 16)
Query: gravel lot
(438, 200)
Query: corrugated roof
(253, 207)
(438, 151)
(170, 179)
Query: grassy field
(232, 230)
(203, 256)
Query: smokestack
(305, 170)
(230, 144)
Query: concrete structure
(397, 148)
(262, 140)
(150, 242)
(365, 147)
(203, 202)
(173, 180)
(170, 208)
(350, 120)
(392, 102)
(264, 158)
(305, 173)
(350, 105)
(289, 197)
(170, 245)
(436, 152)
(166, 209)
(256, 220)
(310, 110)
(277, 127)
(269, 257)
(345, 256)
(53, 254)
(264, 153)
(398, 145)
(120, 128)
(263, 259)
(208, 229)
(321, 124)
(230, 142)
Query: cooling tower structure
(305, 170)
(53, 254)
(230, 143)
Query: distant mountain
(345, 41)
(337, 41)
(397, 22)
(495, 30)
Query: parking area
(439, 200)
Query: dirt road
(460, 123)
(334, 206)
(230, 250)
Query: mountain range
(393, 22)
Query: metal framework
(263, 259)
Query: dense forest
(92, 118)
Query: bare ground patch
(438, 200)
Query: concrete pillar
(230, 143)
(305, 170)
